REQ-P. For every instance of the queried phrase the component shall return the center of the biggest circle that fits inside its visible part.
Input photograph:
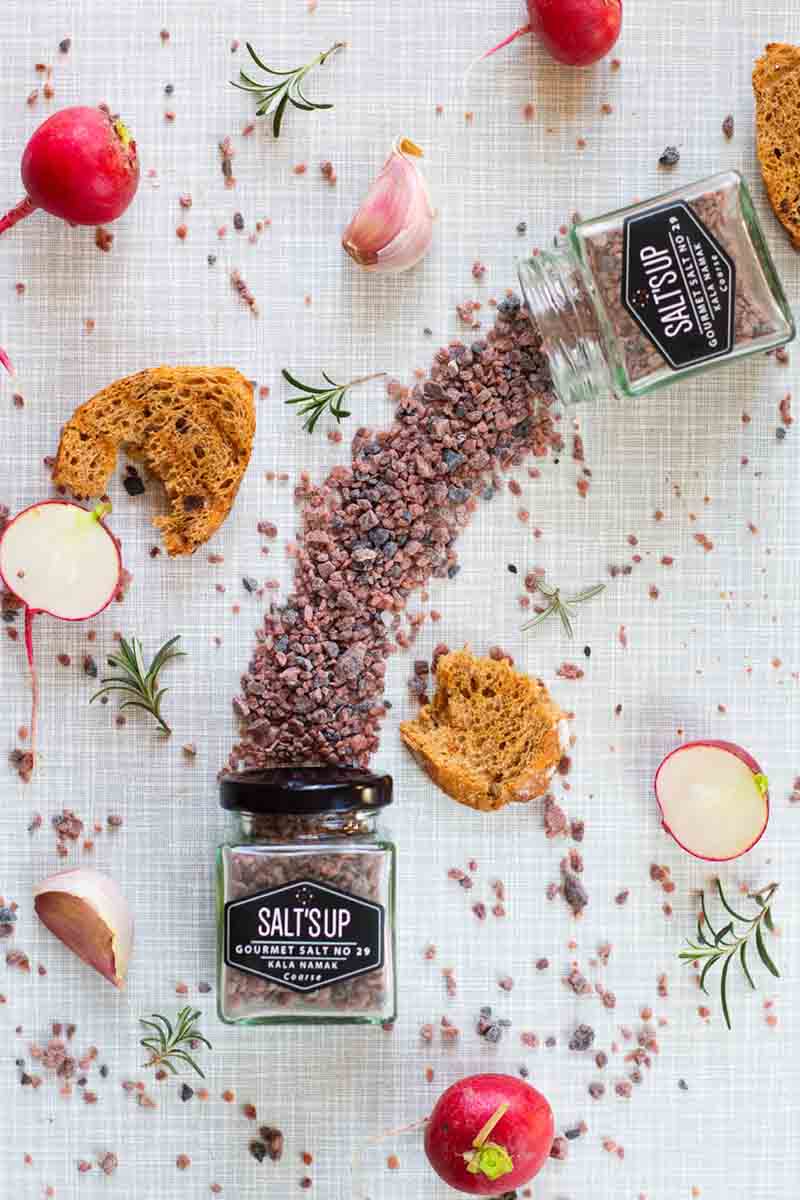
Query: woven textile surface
(713, 638)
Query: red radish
(80, 165)
(489, 1134)
(58, 558)
(713, 799)
(575, 32)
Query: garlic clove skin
(393, 228)
(88, 913)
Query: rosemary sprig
(725, 944)
(314, 400)
(562, 605)
(166, 1042)
(273, 98)
(140, 682)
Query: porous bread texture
(192, 427)
(776, 83)
(490, 736)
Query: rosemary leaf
(136, 680)
(723, 989)
(273, 98)
(763, 954)
(561, 605)
(731, 942)
(314, 401)
(168, 1044)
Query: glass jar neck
(559, 299)
(309, 827)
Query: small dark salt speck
(683, 1085)
(186, 1092)
(249, 584)
(780, 433)
(64, 45)
(522, 227)
(238, 222)
(587, 650)
(727, 126)
(169, 89)
(571, 1134)
(258, 1150)
(428, 332)
(670, 157)
(104, 1071)
(212, 258)
(512, 568)
(133, 482)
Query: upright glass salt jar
(305, 899)
(641, 297)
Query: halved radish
(61, 559)
(713, 799)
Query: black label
(679, 285)
(304, 935)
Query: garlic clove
(87, 912)
(393, 228)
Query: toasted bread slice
(776, 83)
(490, 736)
(193, 429)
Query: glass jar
(305, 899)
(656, 292)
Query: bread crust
(776, 84)
(491, 736)
(192, 428)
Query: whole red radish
(489, 1134)
(575, 32)
(80, 165)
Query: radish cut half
(58, 558)
(713, 799)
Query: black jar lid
(301, 790)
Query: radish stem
(29, 615)
(18, 213)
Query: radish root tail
(6, 362)
(512, 37)
(358, 1156)
(29, 615)
(17, 213)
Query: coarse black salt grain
(133, 482)
(669, 157)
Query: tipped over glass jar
(639, 298)
(305, 899)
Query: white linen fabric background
(723, 631)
